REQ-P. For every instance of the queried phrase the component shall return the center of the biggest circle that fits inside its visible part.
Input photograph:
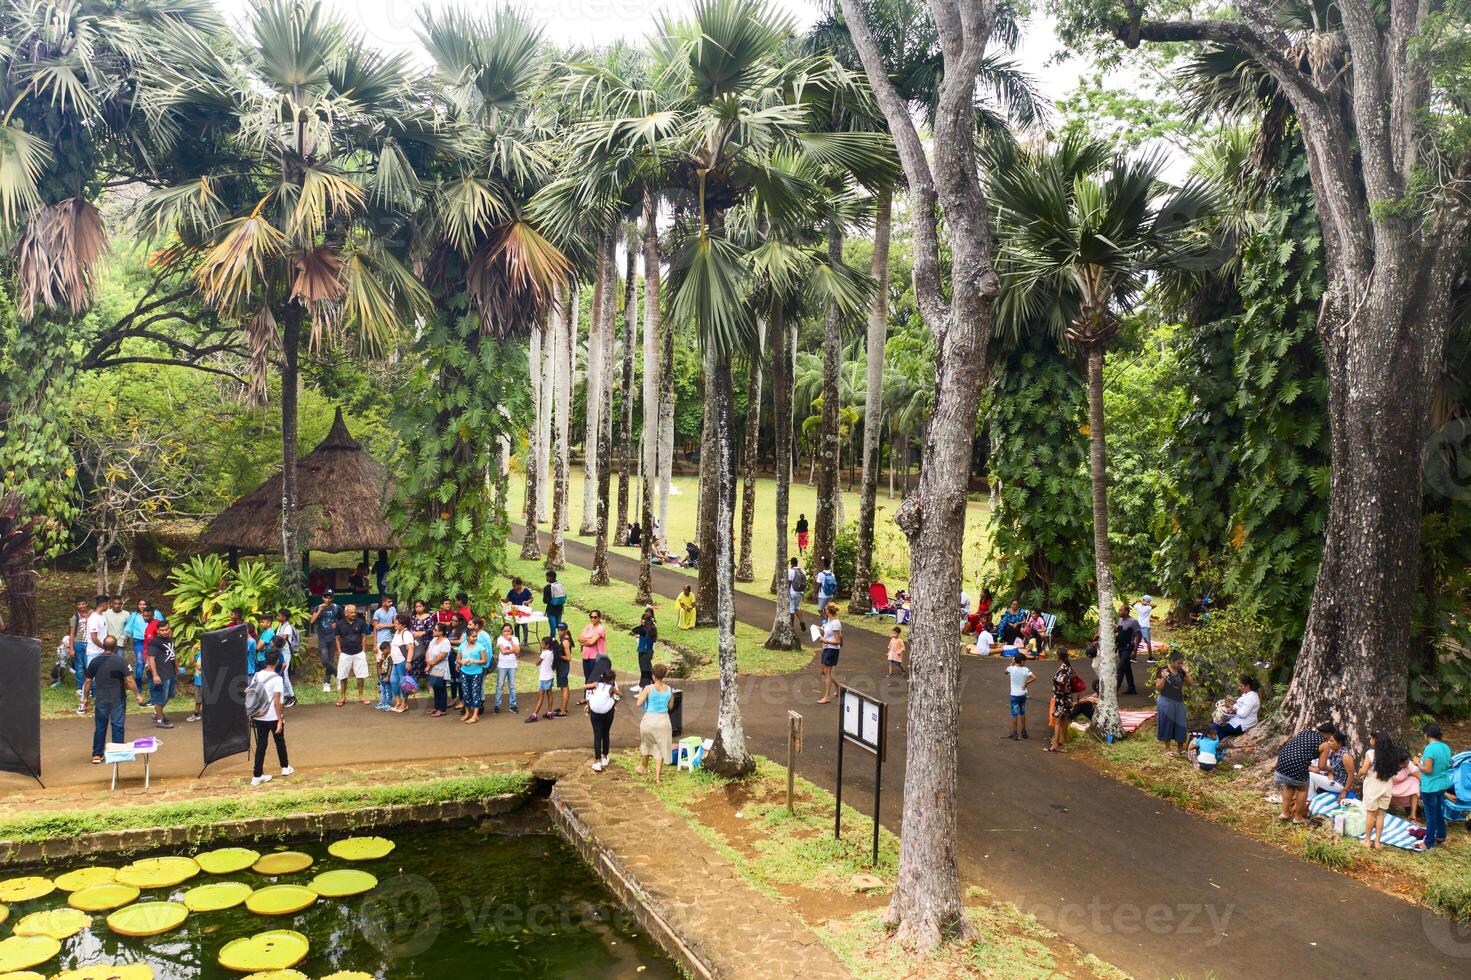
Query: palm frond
(23, 158)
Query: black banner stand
(20, 706)
(226, 730)
(864, 721)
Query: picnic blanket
(1133, 719)
(1396, 829)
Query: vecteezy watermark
(401, 917)
(1100, 917)
(1448, 936)
(1448, 460)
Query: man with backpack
(263, 705)
(827, 584)
(796, 588)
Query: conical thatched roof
(341, 490)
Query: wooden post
(794, 745)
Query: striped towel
(1396, 829)
(1133, 719)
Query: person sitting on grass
(1244, 712)
(1021, 678)
(1293, 761)
(1203, 751)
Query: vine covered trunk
(561, 430)
(873, 403)
(827, 456)
(290, 375)
(530, 545)
(744, 570)
(605, 420)
(625, 392)
(649, 466)
(593, 399)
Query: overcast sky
(391, 23)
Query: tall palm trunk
(782, 637)
(873, 403)
(625, 388)
(827, 456)
(544, 429)
(530, 545)
(729, 755)
(571, 314)
(652, 385)
(1107, 719)
(708, 533)
(605, 417)
(744, 571)
(666, 424)
(562, 401)
(593, 399)
(290, 376)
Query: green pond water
(449, 903)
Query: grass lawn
(1440, 878)
(835, 888)
(891, 548)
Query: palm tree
(724, 109)
(295, 224)
(653, 376)
(1081, 234)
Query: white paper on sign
(871, 723)
(851, 722)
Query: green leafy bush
(205, 589)
(1218, 652)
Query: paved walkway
(1152, 889)
(693, 895)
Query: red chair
(878, 600)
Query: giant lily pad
(283, 863)
(348, 975)
(280, 899)
(26, 889)
(216, 895)
(279, 949)
(109, 971)
(227, 860)
(101, 898)
(147, 918)
(24, 952)
(160, 872)
(279, 975)
(60, 923)
(342, 883)
(85, 877)
(23, 975)
(361, 848)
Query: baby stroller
(1460, 807)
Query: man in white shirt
(96, 632)
(1142, 609)
(271, 722)
(985, 640)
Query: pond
(449, 902)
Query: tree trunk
(666, 423)
(782, 637)
(601, 526)
(530, 545)
(827, 455)
(729, 756)
(744, 571)
(593, 398)
(708, 531)
(873, 403)
(1354, 663)
(652, 385)
(625, 388)
(290, 371)
(547, 387)
(1107, 718)
(562, 402)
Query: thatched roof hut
(341, 491)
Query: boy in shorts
(1020, 676)
(546, 675)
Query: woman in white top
(1245, 713)
(601, 702)
(401, 654)
(508, 648)
(436, 659)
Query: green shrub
(1450, 896)
(1217, 653)
(1331, 852)
(205, 589)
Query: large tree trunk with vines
(562, 401)
(625, 387)
(708, 531)
(744, 571)
(290, 373)
(1107, 718)
(530, 545)
(652, 384)
(547, 392)
(783, 636)
(729, 755)
(873, 403)
(666, 423)
(605, 419)
(828, 454)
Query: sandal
(341, 703)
